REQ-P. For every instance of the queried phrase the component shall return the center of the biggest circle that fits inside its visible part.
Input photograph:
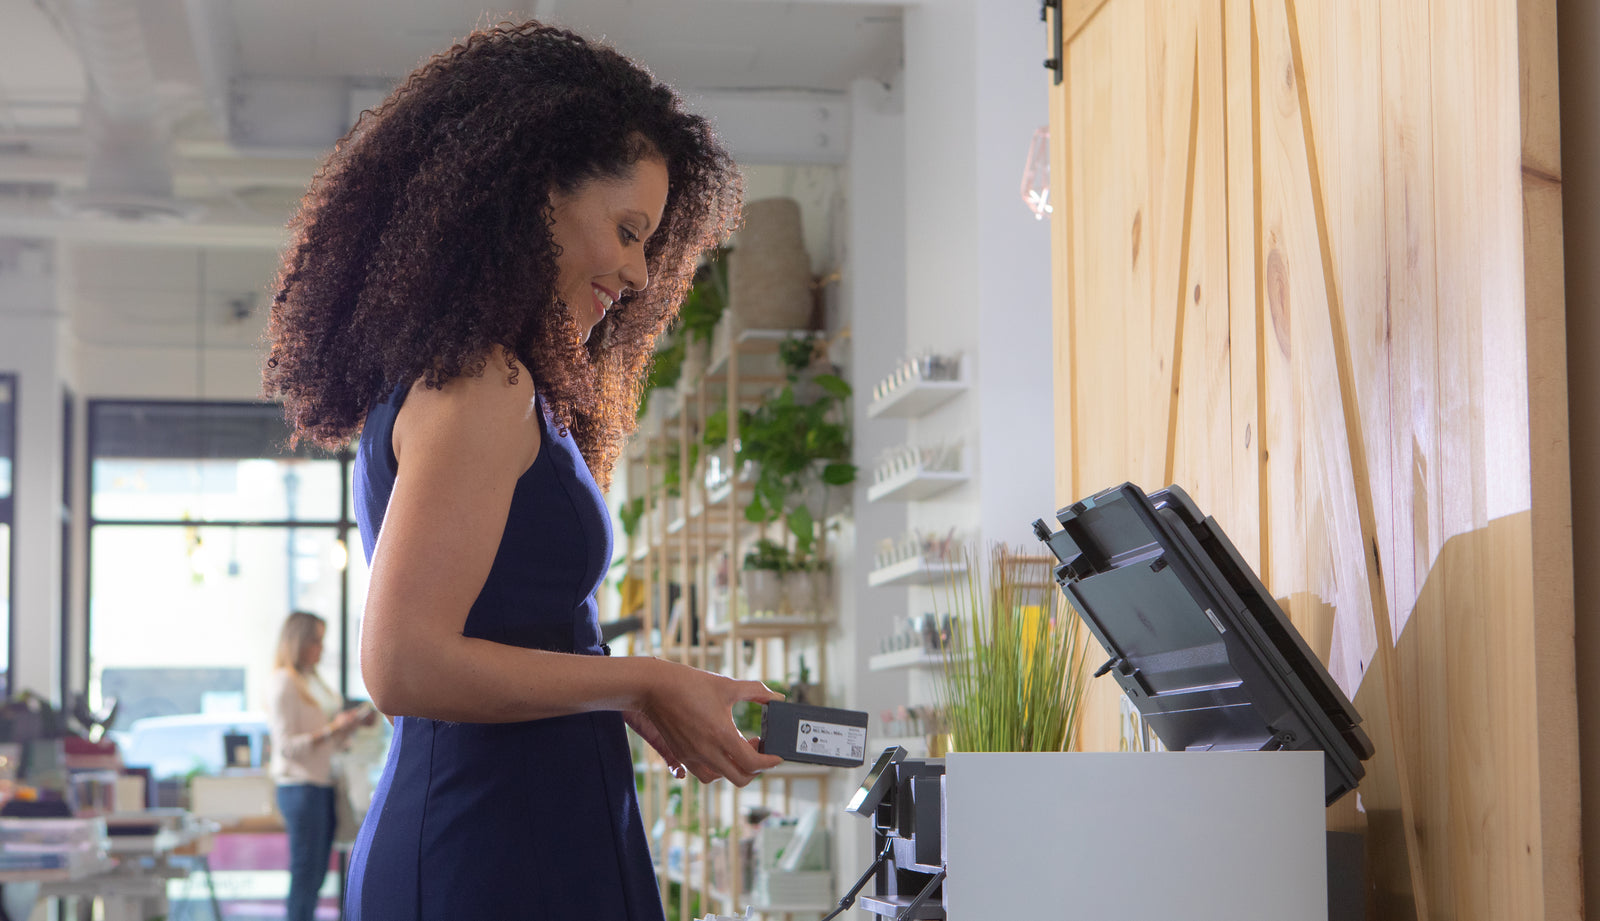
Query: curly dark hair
(425, 239)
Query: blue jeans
(308, 815)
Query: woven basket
(769, 273)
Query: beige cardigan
(301, 752)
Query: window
(205, 531)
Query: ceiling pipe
(129, 133)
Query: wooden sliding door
(1308, 266)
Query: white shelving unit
(914, 399)
(913, 571)
(915, 484)
(905, 658)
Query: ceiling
(232, 102)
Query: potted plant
(629, 514)
(702, 309)
(666, 366)
(671, 473)
(797, 446)
(1013, 674)
(765, 566)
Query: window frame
(344, 527)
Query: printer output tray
(1194, 639)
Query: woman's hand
(687, 717)
(347, 721)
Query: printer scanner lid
(1195, 640)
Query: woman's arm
(461, 451)
(296, 726)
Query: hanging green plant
(707, 299)
(767, 554)
(697, 319)
(665, 368)
(629, 515)
(671, 472)
(794, 443)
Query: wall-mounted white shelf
(906, 658)
(915, 398)
(916, 746)
(772, 625)
(915, 484)
(914, 571)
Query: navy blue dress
(534, 820)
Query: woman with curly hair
(476, 282)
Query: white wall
(944, 277)
(1016, 457)
(872, 304)
(978, 269)
(977, 263)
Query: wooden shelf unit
(678, 542)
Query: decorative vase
(763, 590)
(694, 365)
(805, 590)
(769, 273)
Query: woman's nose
(636, 273)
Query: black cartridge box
(815, 735)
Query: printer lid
(1195, 640)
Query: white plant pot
(694, 366)
(806, 592)
(763, 590)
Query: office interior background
(154, 531)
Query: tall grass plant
(1013, 676)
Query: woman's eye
(628, 236)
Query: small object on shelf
(916, 570)
(814, 735)
(745, 916)
(921, 545)
(917, 557)
(929, 633)
(917, 385)
(898, 462)
(907, 721)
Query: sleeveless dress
(535, 820)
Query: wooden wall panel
(1301, 253)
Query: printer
(1194, 640)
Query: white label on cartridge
(831, 740)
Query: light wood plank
(1378, 206)
(1551, 525)
(1245, 505)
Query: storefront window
(205, 531)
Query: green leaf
(716, 432)
(834, 384)
(802, 525)
(839, 474)
(755, 512)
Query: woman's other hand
(687, 717)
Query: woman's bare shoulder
(491, 413)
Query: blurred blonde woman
(308, 724)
